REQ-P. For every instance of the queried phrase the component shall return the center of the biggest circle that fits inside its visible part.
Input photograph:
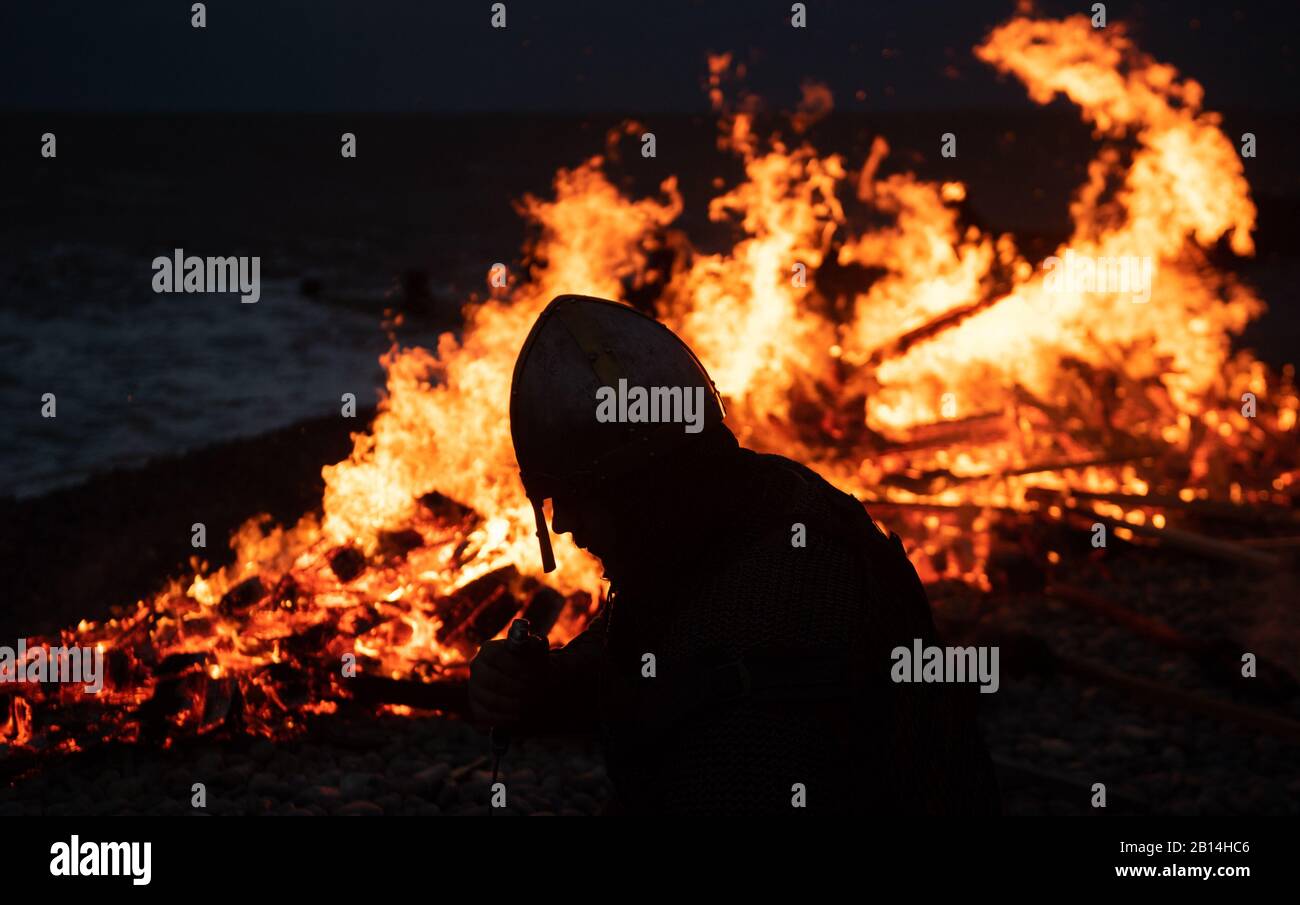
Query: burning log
(1136, 455)
(543, 609)
(448, 696)
(117, 666)
(17, 728)
(446, 510)
(396, 544)
(308, 644)
(171, 698)
(347, 563)
(242, 597)
(1182, 539)
(289, 686)
(221, 703)
(1218, 509)
(961, 509)
(479, 610)
(177, 664)
(489, 619)
(1174, 538)
(938, 480)
(285, 595)
(929, 330)
(974, 429)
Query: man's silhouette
(741, 663)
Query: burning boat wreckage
(961, 391)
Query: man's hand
(502, 682)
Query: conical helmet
(601, 390)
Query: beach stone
(286, 764)
(1117, 751)
(1134, 731)
(449, 796)
(236, 775)
(265, 784)
(360, 809)
(475, 790)
(126, 788)
(429, 782)
(1055, 746)
(584, 803)
(404, 766)
(525, 776)
(355, 785)
(109, 806)
(327, 796)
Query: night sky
(588, 57)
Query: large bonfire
(957, 384)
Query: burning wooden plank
(973, 429)
(478, 611)
(543, 609)
(929, 483)
(930, 329)
(1180, 539)
(1253, 513)
(347, 563)
(448, 696)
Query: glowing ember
(962, 382)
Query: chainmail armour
(810, 630)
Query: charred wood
(347, 563)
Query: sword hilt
(518, 640)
